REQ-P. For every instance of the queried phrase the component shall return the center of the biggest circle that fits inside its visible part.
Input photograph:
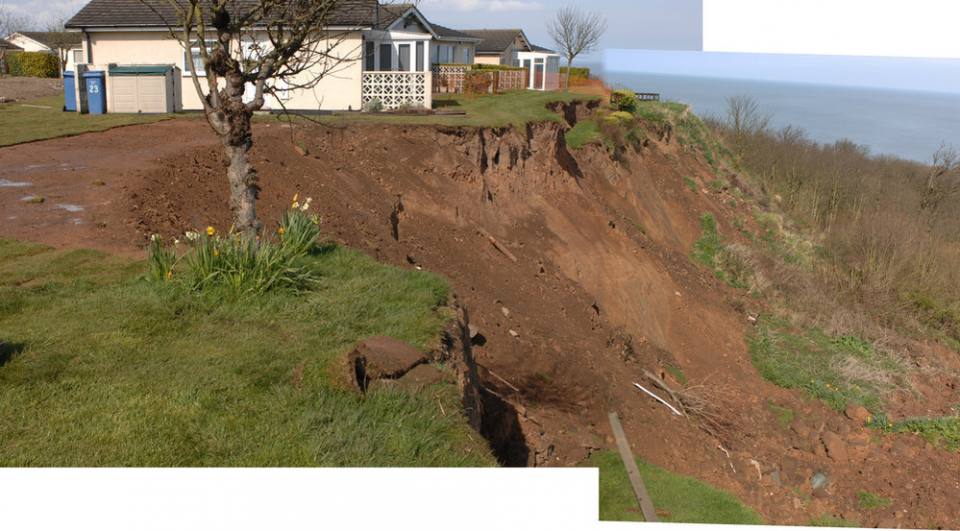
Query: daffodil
(192, 236)
(211, 231)
(281, 231)
(169, 275)
(154, 237)
(306, 205)
(216, 252)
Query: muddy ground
(28, 88)
(602, 289)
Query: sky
(840, 42)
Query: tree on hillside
(249, 50)
(745, 119)
(576, 32)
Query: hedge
(576, 72)
(32, 64)
(497, 67)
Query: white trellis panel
(397, 89)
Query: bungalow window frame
(201, 70)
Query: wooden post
(639, 489)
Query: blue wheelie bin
(95, 83)
(69, 91)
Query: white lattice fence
(397, 89)
(448, 79)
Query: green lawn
(677, 498)
(100, 367)
(44, 118)
(515, 108)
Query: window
(386, 57)
(370, 57)
(197, 60)
(403, 58)
(465, 55)
(78, 57)
(420, 60)
(445, 54)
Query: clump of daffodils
(240, 265)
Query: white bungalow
(511, 47)
(388, 52)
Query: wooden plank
(639, 489)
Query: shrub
(33, 64)
(478, 82)
(374, 105)
(619, 118)
(576, 72)
(624, 100)
(502, 68)
(242, 266)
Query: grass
(677, 498)
(784, 415)
(832, 521)
(101, 367)
(584, 133)
(706, 248)
(838, 370)
(943, 431)
(43, 118)
(691, 184)
(511, 109)
(869, 500)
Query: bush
(624, 100)
(374, 105)
(576, 72)
(482, 67)
(33, 64)
(239, 265)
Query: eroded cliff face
(574, 268)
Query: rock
(474, 331)
(514, 334)
(381, 358)
(506, 311)
(836, 447)
(819, 481)
(858, 414)
(416, 379)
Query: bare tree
(250, 50)
(576, 32)
(60, 41)
(943, 182)
(744, 119)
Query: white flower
(306, 205)
(192, 236)
(176, 242)
(295, 205)
(154, 237)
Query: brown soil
(28, 88)
(602, 288)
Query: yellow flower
(211, 231)
(281, 231)
(216, 252)
(169, 275)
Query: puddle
(13, 184)
(70, 208)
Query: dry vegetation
(858, 244)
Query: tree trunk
(244, 189)
(569, 66)
(244, 186)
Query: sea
(910, 125)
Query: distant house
(63, 44)
(511, 47)
(389, 51)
